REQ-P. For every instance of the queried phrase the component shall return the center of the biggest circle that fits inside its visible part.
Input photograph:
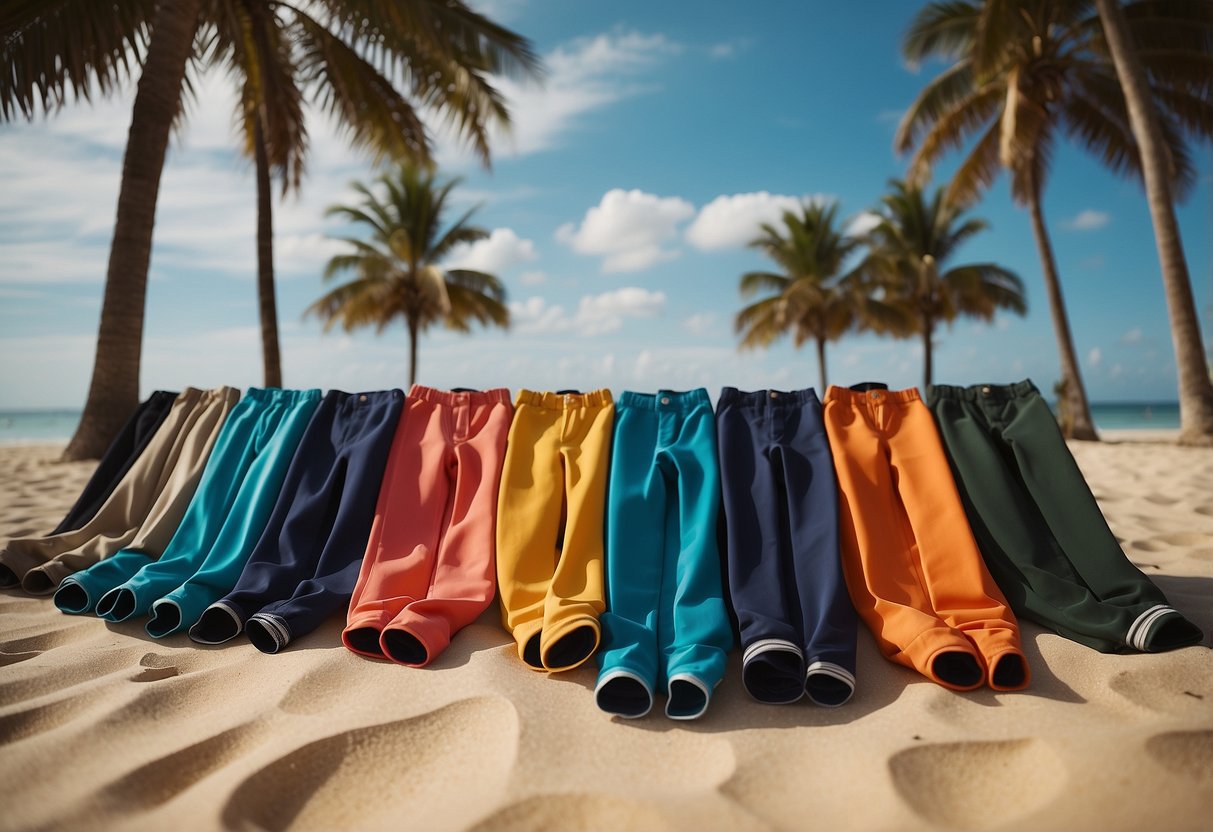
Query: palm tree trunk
(928, 361)
(266, 301)
(412, 351)
(113, 392)
(1082, 427)
(1195, 387)
(821, 363)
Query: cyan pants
(785, 580)
(239, 487)
(665, 627)
(304, 567)
(1040, 530)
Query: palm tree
(1195, 388)
(339, 54)
(398, 271)
(911, 243)
(811, 299)
(1021, 74)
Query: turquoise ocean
(27, 426)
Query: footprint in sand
(1186, 686)
(573, 812)
(44, 641)
(378, 776)
(320, 688)
(957, 784)
(1186, 753)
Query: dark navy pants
(785, 578)
(304, 566)
(118, 459)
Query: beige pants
(146, 506)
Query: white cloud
(863, 223)
(1133, 337)
(584, 75)
(596, 314)
(1087, 220)
(1095, 356)
(700, 323)
(629, 229)
(729, 48)
(502, 250)
(733, 220)
(535, 278)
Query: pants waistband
(198, 395)
(497, 395)
(564, 401)
(365, 399)
(986, 392)
(842, 394)
(278, 395)
(768, 398)
(664, 400)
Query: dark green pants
(1040, 530)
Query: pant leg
(828, 623)
(465, 570)
(576, 597)
(221, 566)
(758, 550)
(878, 550)
(629, 667)
(175, 486)
(530, 509)
(234, 452)
(1061, 493)
(306, 570)
(400, 553)
(698, 643)
(44, 562)
(118, 458)
(1015, 541)
(962, 592)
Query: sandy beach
(102, 726)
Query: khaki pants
(145, 507)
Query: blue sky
(619, 209)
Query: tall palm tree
(398, 271)
(915, 237)
(338, 54)
(810, 298)
(1195, 387)
(1021, 74)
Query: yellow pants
(550, 525)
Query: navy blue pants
(118, 459)
(303, 568)
(785, 580)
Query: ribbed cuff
(823, 683)
(624, 706)
(682, 707)
(218, 623)
(269, 633)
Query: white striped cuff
(835, 671)
(1139, 632)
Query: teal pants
(666, 626)
(230, 509)
(1040, 530)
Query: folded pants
(912, 566)
(1040, 530)
(303, 568)
(796, 621)
(428, 569)
(549, 538)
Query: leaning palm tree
(1021, 74)
(1195, 387)
(909, 247)
(810, 299)
(398, 271)
(338, 54)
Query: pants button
(774, 395)
(986, 390)
(665, 399)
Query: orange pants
(429, 567)
(912, 566)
